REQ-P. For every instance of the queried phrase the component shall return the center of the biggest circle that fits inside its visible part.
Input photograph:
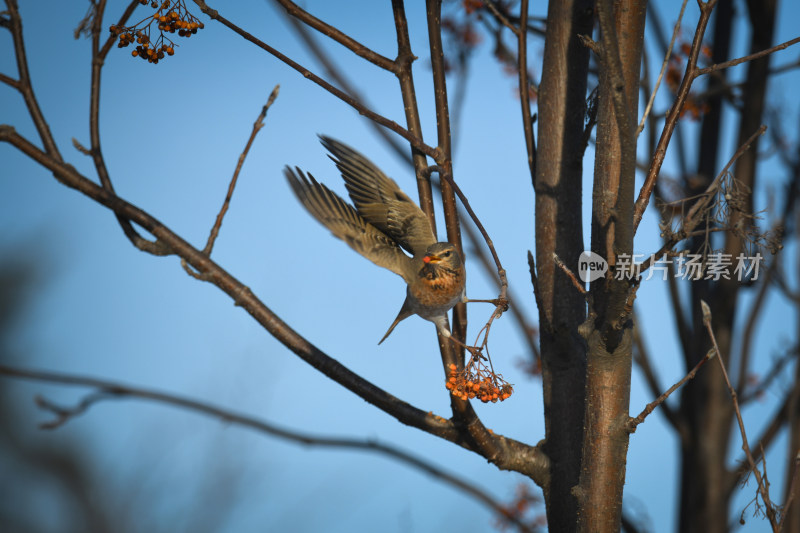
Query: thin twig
(415, 141)
(674, 114)
(536, 294)
(578, 285)
(774, 371)
(501, 272)
(107, 390)
(405, 78)
(503, 19)
(763, 488)
(633, 423)
(257, 125)
(337, 35)
(695, 214)
(745, 59)
(652, 99)
(524, 88)
(527, 329)
(641, 357)
(772, 429)
(339, 76)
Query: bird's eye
(446, 254)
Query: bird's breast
(438, 289)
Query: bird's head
(442, 254)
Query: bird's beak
(430, 258)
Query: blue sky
(171, 135)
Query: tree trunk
(559, 172)
(608, 329)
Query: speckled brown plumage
(383, 223)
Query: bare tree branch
(108, 390)
(525, 458)
(339, 76)
(633, 423)
(23, 85)
(346, 98)
(763, 487)
(339, 36)
(96, 153)
(524, 88)
(695, 214)
(212, 237)
(641, 356)
(664, 64)
(673, 115)
(745, 59)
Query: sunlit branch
(257, 125)
(415, 141)
(508, 453)
(633, 423)
(673, 115)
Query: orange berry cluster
(171, 16)
(483, 384)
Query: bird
(383, 222)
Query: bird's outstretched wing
(346, 224)
(379, 200)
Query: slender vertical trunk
(559, 172)
(608, 329)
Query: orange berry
(135, 53)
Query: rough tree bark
(559, 172)
(608, 328)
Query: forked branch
(212, 237)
